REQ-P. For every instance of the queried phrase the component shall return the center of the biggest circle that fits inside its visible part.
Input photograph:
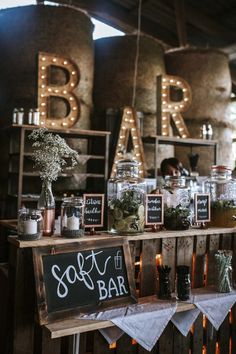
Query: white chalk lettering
(121, 284)
(102, 290)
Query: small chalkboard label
(202, 207)
(93, 210)
(81, 277)
(154, 209)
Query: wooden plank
(211, 337)
(166, 340)
(154, 350)
(185, 251)
(233, 329)
(198, 335)
(184, 257)
(52, 346)
(100, 345)
(233, 335)
(125, 342)
(57, 239)
(213, 246)
(181, 343)
(24, 303)
(148, 279)
(75, 325)
(224, 336)
(200, 259)
(198, 281)
(224, 330)
(169, 257)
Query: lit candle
(30, 227)
(73, 223)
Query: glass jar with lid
(176, 197)
(126, 199)
(72, 215)
(222, 189)
(30, 224)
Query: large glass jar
(72, 213)
(176, 196)
(222, 189)
(126, 199)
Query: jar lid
(220, 167)
(73, 200)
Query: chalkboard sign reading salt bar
(93, 210)
(154, 209)
(202, 207)
(75, 279)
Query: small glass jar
(176, 196)
(72, 216)
(183, 282)
(126, 199)
(222, 189)
(30, 224)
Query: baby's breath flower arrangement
(50, 152)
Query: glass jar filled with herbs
(222, 189)
(126, 199)
(176, 196)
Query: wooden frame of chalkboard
(205, 198)
(78, 277)
(95, 198)
(154, 218)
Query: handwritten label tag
(154, 209)
(93, 210)
(202, 207)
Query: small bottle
(203, 131)
(36, 116)
(183, 282)
(15, 116)
(209, 132)
(30, 116)
(20, 116)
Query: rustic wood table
(192, 247)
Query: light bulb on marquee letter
(46, 90)
(172, 109)
(129, 127)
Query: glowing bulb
(65, 62)
(73, 73)
(65, 92)
(72, 84)
(74, 108)
(71, 98)
(186, 99)
(52, 123)
(43, 67)
(54, 60)
(43, 58)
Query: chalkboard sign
(154, 209)
(202, 207)
(80, 277)
(93, 210)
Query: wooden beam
(121, 18)
(207, 24)
(180, 22)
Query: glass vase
(46, 204)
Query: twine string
(137, 54)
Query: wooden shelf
(169, 140)
(75, 326)
(21, 170)
(58, 240)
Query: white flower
(51, 153)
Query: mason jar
(222, 189)
(126, 199)
(30, 224)
(176, 197)
(72, 215)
